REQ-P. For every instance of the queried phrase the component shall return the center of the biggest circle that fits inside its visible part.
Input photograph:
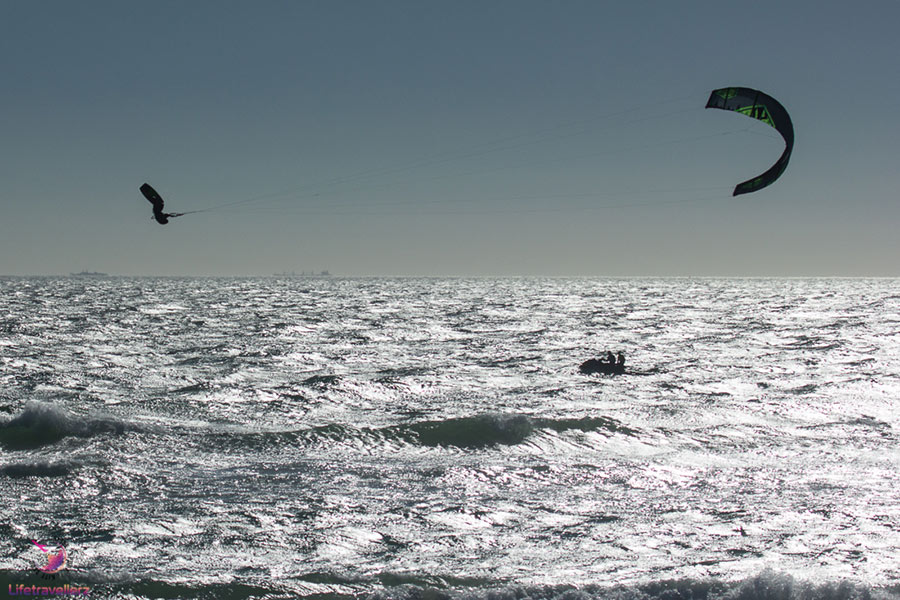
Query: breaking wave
(41, 424)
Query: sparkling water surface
(293, 437)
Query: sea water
(433, 438)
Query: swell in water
(264, 438)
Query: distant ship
(88, 274)
(303, 274)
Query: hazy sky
(457, 137)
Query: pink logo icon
(56, 561)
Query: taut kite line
(747, 101)
(762, 107)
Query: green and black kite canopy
(765, 108)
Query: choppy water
(416, 438)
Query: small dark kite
(156, 200)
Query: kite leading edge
(762, 107)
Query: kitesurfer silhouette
(612, 365)
(156, 200)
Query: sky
(446, 138)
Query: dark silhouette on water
(613, 365)
(156, 200)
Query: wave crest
(470, 433)
(478, 431)
(42, 424)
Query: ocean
(232, 438)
